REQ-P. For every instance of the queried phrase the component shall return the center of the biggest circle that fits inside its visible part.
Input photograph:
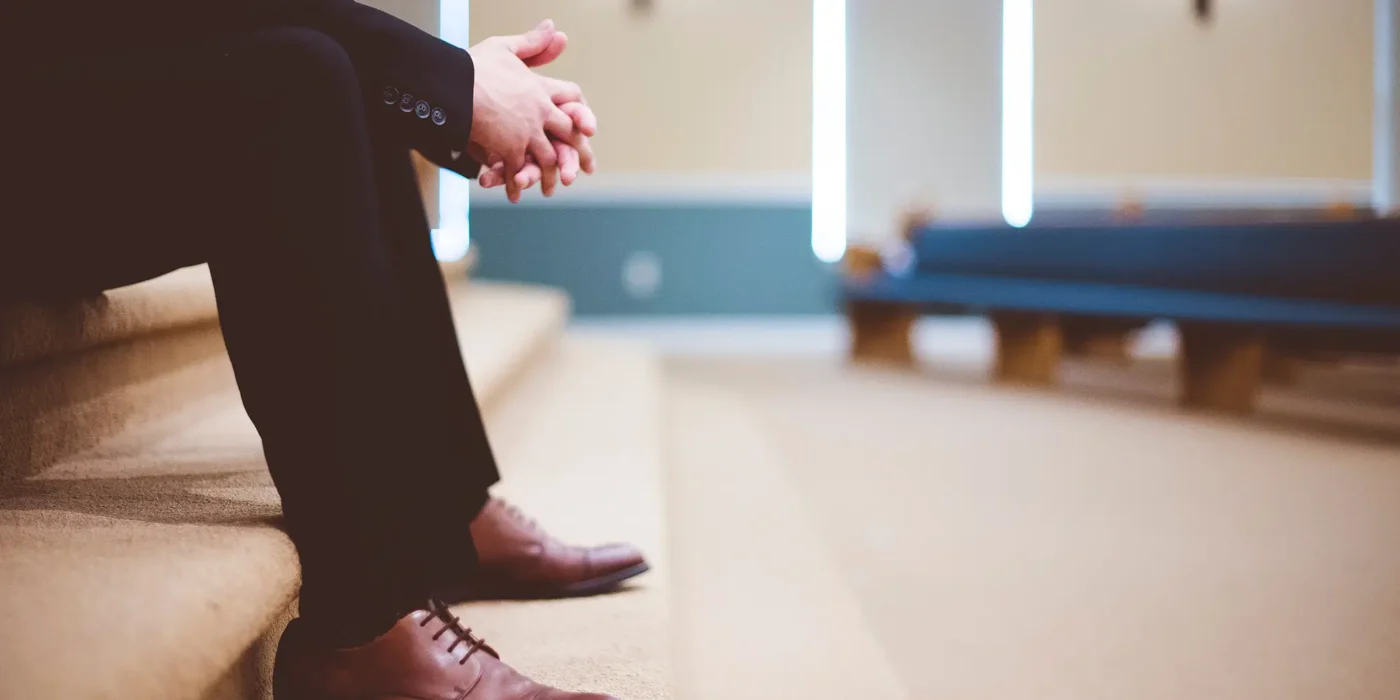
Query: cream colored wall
(1137, 89)
(422, 13)
(691, 86)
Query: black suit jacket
(402, 69)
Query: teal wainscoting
(652, 259)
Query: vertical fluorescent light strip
(829, 129)
(1387, 111)
(1018, 111)
(452, 237)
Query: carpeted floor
(578, 443)
(761, 610)
(1096, 542)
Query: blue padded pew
(1239, 292)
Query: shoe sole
(597, 585)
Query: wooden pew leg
(1103, 345)
(881, 333)
(1029, 347)
(1280, 367)
(1099, 339)
(1222, 367)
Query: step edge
(177, 300)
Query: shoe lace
(453, 624)
(519, 516)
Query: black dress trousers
(269, 154)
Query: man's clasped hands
(528, 128)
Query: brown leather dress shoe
(519, 560)
(427, 655)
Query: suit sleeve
(416, 86)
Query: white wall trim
(664, 188)
(1087, 193)
(1050, 193)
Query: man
(271, 139)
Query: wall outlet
(641, 274)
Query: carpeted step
(579, 449)
(35, 331)
(179, 300)
(73, 373)
(77, 372)
(761, 609)
(149, 567)
(503, 328)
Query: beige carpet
(761, 608)
(181, 299)
(1097, 543)
(579, 447)
(147, 566)
(161, 559)
(60, 406)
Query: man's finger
(585, 154)
(543, 152)
(531, 43)
(568, 163)
(483, 172)
(560, 126)
(551, 53)
(583, 117)
(513, 166)
(562, 91)
(492, 177)
(529, 176)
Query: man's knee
(300, 88)
(304, 62)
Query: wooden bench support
(1029, 346)
(1099, 339)
(1222, 367)
(881, 333)
(1112, 346)
(1280, 366)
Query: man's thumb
(533, 42)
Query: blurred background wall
(705, 157)
(687, 86)
(1138, 93)
(423, 13)
(705, 150)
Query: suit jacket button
(421, 109)
(439, 116)
(390, 95)
(406, 102)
